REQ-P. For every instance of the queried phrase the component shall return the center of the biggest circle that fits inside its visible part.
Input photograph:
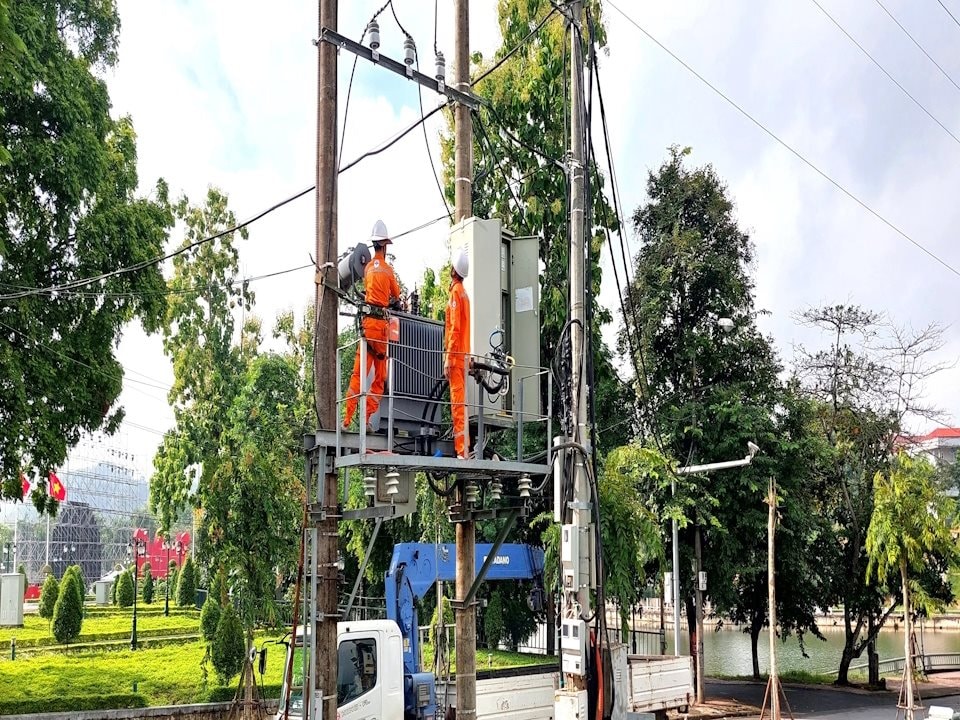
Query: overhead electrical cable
(947, 10)
(919, 46)
(796, 153)
(886, 72)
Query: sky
(224, 94)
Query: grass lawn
(490, 659)
(104, 625)
(164, 676)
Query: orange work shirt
(380, 282)
(456, 332)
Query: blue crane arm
(416, 567)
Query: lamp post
(166, 581)
(138, 548)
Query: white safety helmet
(461, 263)
(379, 234)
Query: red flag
(57, 491)
(24, 484)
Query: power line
(788, 147)
(156, 260)
(396, 138)
(915, 42)
(885, 72)
(947, 10)
(426, 142)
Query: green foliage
(493, 625)
(22, 569)
(113, 590)
(228, 651)
(911, 522)
(218, 587)
(210, 618)
(68, 184)
(148, 584)
(48, 597)
(187, 584)
(629, 528)
(72, 703)
(448, 619)
(77, 572)
(68, 611)
(124, 585)
(172, 572)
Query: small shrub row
(70, 703)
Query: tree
(706, 392)
(113, 590)
(22, 569)
(218, 587)
(48, 597)
(148, 586)
(125, 589)
(209, 618)
(228, 652)
(68, 611)
(77, 572)
(68, 183)
(198, 334)
(172, 578)
(187, 584)
(912, 520)
(866, 380)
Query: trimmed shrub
(125, 590)
(46, 570)
(209, 618)
(81, 588)
(23, 571)
(73, 703)
(228, 652)
(113, 590)
(48, 597)
(68, 612)
(187, 584)
(148, 587)
(218, 587)
(493, 626)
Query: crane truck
(379, 666)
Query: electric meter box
(12, 590)
(503, 285)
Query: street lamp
(167, 545)
(138, 549)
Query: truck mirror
(262, 667)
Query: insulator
(393, 482)
(441, 72)
(373, 30)
(524, 485)
(496, 489)
(369, 485)
(472, 492)
(409, 50)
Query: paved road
(812, 704)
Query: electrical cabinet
(570, 705)
(11, 600)
(503, 286)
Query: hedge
(226, 694)
(70, 703)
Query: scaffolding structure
(107, 500)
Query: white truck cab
(370, 673)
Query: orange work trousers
(458, 408)
(376, 334)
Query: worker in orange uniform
(382, 291)
(456, 341)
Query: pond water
(727, 651)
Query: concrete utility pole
(325, 360)
(577, 546)
(773, 686)
(701, 692)
(466, 614)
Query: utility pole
(324, 363)
(701, 693)
(577, 542)
(773, 686)
(466, 613)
